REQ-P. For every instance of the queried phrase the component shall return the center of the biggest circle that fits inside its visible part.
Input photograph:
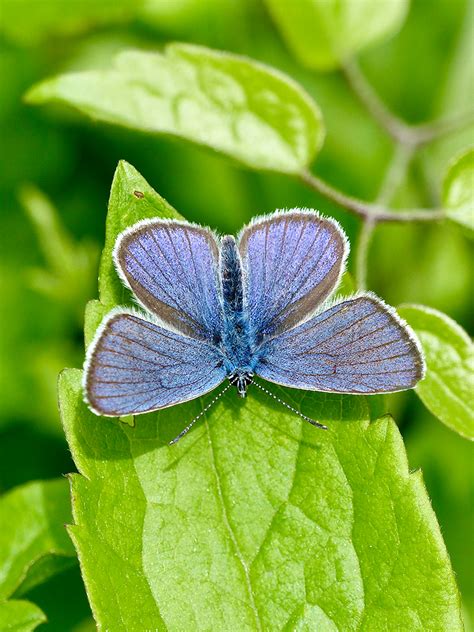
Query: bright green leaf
(20, 616)
(447, 390)
(322, 34)
(131, 199)
(33, 541)
(458, 191)
(256, 520)
(231, 104)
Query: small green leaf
(33, 541)
(20, 616)
(322, 34)
(448, 386)
(34, 546)
(231, 104)
(131, 200)
(70, 275)
(458, 191)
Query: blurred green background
(49, 249)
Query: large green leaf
(34, 546)
(448, 386)
(256, 520)
(228, 103)
(458, 191)
(324, 33)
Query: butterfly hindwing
(357, 346)
(172, 268)
(136, 366)
(293, 261)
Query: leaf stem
(408, 138)
(362, 253)
(392, 179)
(399, 130)
(388, 121)
(377, 212)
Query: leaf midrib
(230, 531)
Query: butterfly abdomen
(237, 344)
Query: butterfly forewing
(293, 261)
(171, 267)
(357, 346)
(135, 366)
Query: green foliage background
(49, 258)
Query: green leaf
(20, 616)
(70, 275)
(347, 285)
(34, 546)
(33, 541)
(231, 104)
(131, 200)
(29, 22)
(256, 520)
(322, 34)
(449, 352)
(458, 191)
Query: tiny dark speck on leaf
(138, 194)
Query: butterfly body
(216, 309)
(238, 342)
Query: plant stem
(377, 212)
(408, 138)
(397, 128)
(394, 175)
(362, 253)
(401, 132)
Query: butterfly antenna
(203, 411)
(297, 412)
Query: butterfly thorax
(237, 341)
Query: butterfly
(216, 309)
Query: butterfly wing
(358, 346)
(172, 268)
(135, 366)
(293, 261)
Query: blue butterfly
(234, 309)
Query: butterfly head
(241, 380)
